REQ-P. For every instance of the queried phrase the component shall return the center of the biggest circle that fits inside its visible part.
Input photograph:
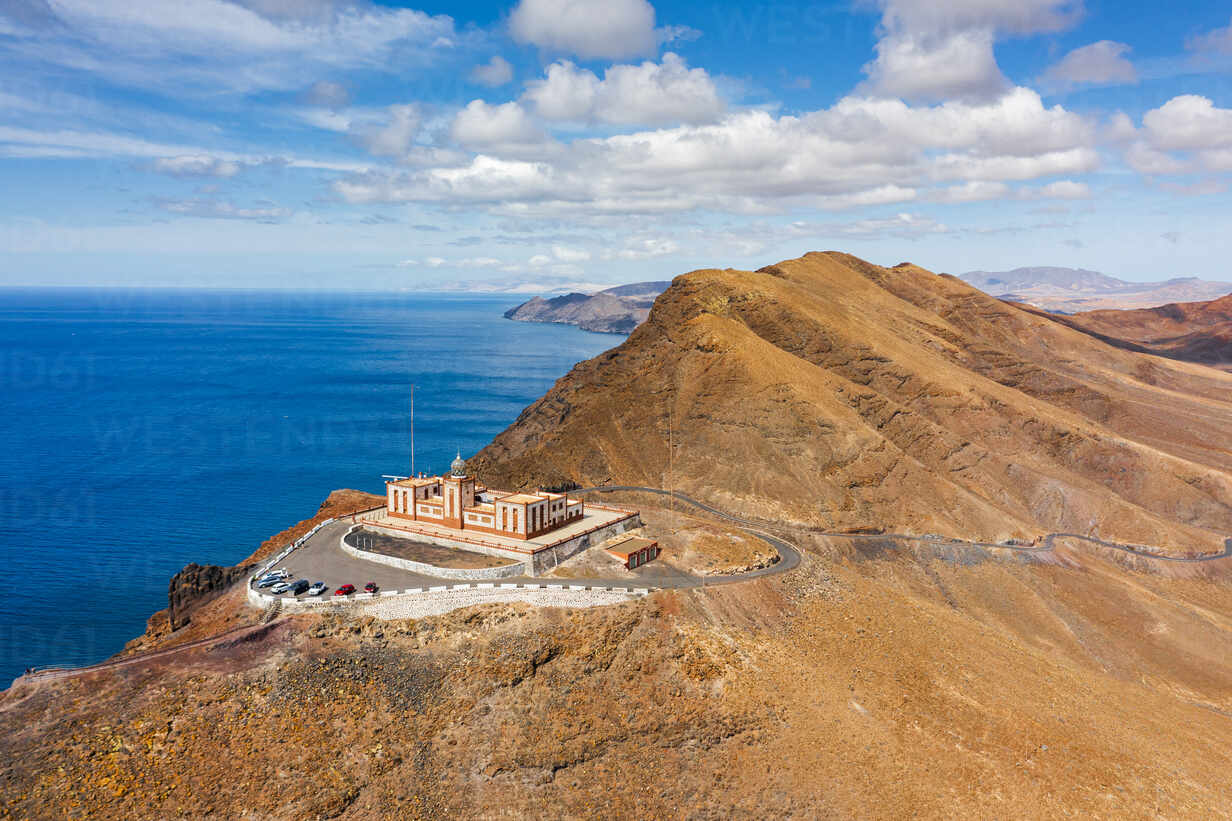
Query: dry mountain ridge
(1193, 331)
(831, 392)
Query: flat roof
(413, 481)
(521, 498)
(628, 546)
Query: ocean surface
(143, 430)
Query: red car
(345, 590)
(370, 587)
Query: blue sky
(546, 144)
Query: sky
(540, 145)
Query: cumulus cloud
(931, 51)
(195, 165)
(1102, 63)
(1188, 134)
(1188, 122)
(936, 67)
(506, 129)
(861, 151)
(590, 29)
(494, 73)
(646, 94)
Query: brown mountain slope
(1193, 331)
(829, 391)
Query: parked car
(345, 590)
(269, 581)
(280, 588)
(317, 589)
(371, 587)
(298, 586)
(278, 574)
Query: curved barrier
(507, 571)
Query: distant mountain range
(1070, 290)
(1194, 331)
(615, 310)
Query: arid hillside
(1192, 331)
(871, 682)
(830, 392)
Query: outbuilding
(634, 551)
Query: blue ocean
(143, 430)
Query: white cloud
(861, 151)
(504, 129)
(973, 191)
(1217, 41)
(494, 73)
(648, 248)
(204, 46)
(196, 165)
(1188, 122)
(1065, 190)
(936, 67)
(646, 94)
(395, 137)
(930, 51)
(1186, 135)
(1009, 16)
(1101, 63)
(566, 254)
(223, 209)
(590, 29)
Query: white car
(281, 587)
(273, 574)
(317, 589)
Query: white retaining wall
(417, 602)
(519, 568)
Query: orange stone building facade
(457, 501)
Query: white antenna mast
(413, 429)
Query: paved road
(1145, 551)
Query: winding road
(1047, 544)
(789, 558)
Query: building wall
(521, 520)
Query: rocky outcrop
(197, 584)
